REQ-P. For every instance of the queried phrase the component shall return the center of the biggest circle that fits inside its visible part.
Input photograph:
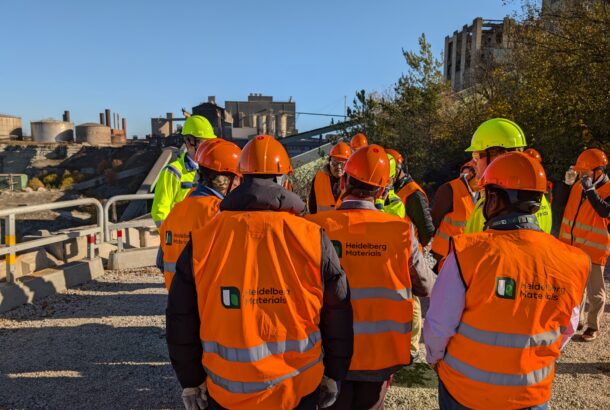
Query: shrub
(35, 183)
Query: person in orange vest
(384, 266)
(259, 313)
(549, 185)
(507, 299)
(586, 224)
(453, 203)
(358, 141)
(416, 202)
(218, 175)
(325, 189)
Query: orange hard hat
(369, 165)
(358, 141)
(399, 158)
(517, 171)
(341, 151)
(590, 159)
(264, 155)
(534, 154)
(218, 155)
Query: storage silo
(10, 125)
(93, 133)
(52, 131)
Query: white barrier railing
(11, 247)
(140, 223)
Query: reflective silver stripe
(454, 222)
(590, 228)
(443, 235)
(186, 185)
(591, 244)
(498, 379)
(509, 339)
(566, 221)
(322, 208)
(381, 326)
(158, 223)
(253, 387)
(172, 170)
(381, 293)
(566, 236)
(169, 267)
(254, 354)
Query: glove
(570, 177)
(587, 183)
(195, 398)
(329, 391)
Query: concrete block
(47, 282)
(71, 250)
(133, 258)
(30, 262)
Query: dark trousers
(446, 402)
(309, 402)
(358, 395)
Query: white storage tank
(52, 131)
(10, 125)
(93, 133)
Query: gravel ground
(102, 346)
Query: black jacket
(182, 315)
(417, 209)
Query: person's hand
(329, 391)
(195, 398)
(570, 176)
(587, 183)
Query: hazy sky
(146, 58)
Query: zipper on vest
(583, 197)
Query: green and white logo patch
(168, 237)
(506, 288)
(230, 297)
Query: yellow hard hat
(497, 132)
(199, 127)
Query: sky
(145, 58)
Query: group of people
(280, 304)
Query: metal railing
(11, 248)
(108, 226)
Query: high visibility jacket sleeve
(336, 319)
(446, 307)
(166, 189)
(418, 211)
(183, 324)
(422, 277)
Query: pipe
(107, 111)
(102, 121)
(66, 116)
(124, 126)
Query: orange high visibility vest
(454, 222)
(322, 186)
(374, 250)
(521, 289)
(584, 228)
(259, 288)
(192, 213)
(409, 189)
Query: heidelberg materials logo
(338, 248)
(168, 237)
(230, 297)
(506, 288)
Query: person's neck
(350, 197)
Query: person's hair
(360, 189)
(217, 181)
(518, 200)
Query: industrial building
(261, 115)
(481, 42)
